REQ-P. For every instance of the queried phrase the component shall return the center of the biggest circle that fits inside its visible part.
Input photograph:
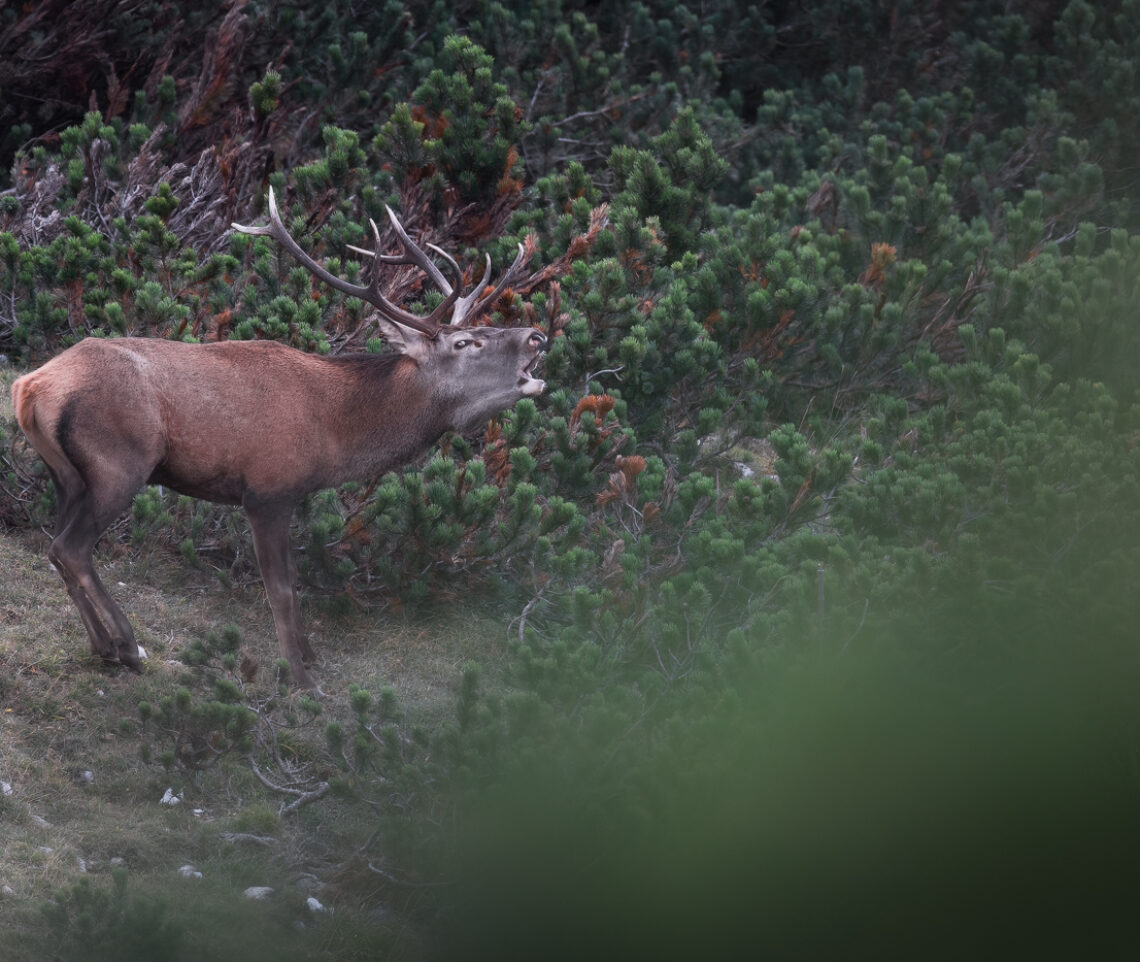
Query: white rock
(117, 861)
(40, 821)
(46, 849)
(87, 777)
(142, 653)
(258, 892)
(170, 798)
(7, 891)
(5, 788)
(188, 871)
(81, 862)
(316, 908)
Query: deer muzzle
(529, 385)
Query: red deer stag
(260, 424)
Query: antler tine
(508, 276)
(451, 260)
(464, 305)
(415, 256)
(278, 231)
(473, 303)
(417, 259)
(470, 304)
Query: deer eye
(459, 345)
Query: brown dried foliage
(598, 405)
(59, 53)
(882, 257)
(622, 484)
(216, 158)
(579, 247)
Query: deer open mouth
(528, 383)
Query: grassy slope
(62, 716)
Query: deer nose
(538, 339)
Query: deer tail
(23, 404)
(37, 429)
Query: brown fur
(253, 423)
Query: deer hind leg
(83, 517)
(270, 527)
(96, 466)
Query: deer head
(475, 372)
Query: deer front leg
(270, 526)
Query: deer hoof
(132, 658)
(303, 681)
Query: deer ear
(406, 340)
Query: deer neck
(388, 415)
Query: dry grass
(62, 715)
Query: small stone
(188, 871)
(309, 883)
(87, 778)
(5, 788)
(40, 821)
(316, 908)
(258, 892)
(117, 860)
(170, 798)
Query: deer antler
(470, 305)
(460, 308)
(370, 293)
